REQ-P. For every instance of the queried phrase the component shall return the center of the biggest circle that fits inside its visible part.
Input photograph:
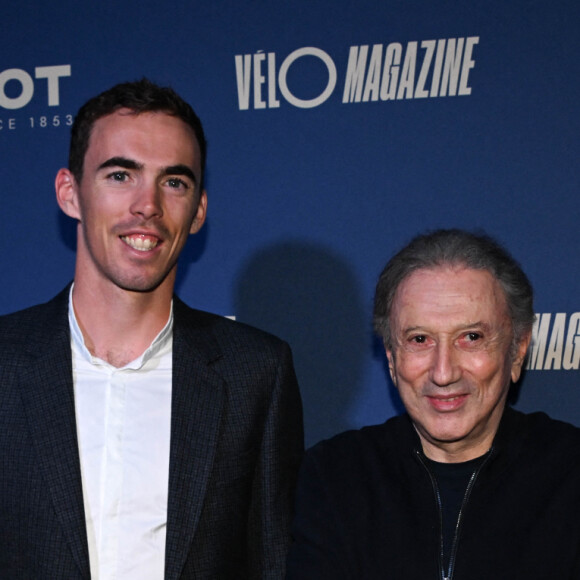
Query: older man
(461, 487)
(141, 439)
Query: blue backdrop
(337, 130)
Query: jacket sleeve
(318, 551)
(281, 451)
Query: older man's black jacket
(367, 509)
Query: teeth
(140, 243)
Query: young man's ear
(67, 193)
(199, 218)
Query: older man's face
(452, 358)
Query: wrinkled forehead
(454, 292)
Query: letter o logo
(25, 81)
(289, 60)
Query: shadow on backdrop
(309, 297)
(196, 243)
(191, 253)
(379, 354)
(67, 227)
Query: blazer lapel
(48, 396)
(198, 397)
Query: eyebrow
(120, 162)
(179, 169)
(479, 324)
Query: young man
(141, 439)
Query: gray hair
(456, 247)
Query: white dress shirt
(123, 424)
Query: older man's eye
(419, 339)
(472, 336)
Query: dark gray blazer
(236, 444)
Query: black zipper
(471, 483)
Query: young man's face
(452, 358)
(138, 200)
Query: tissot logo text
(17, 86)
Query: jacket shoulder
(540, 430)
(35, 323)
(387, 442)
(230, 336)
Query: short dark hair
(141, 96)
(455, 247)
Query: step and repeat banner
(337, 131)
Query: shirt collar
(161, 344)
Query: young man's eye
(119, 176)
(177, 183)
